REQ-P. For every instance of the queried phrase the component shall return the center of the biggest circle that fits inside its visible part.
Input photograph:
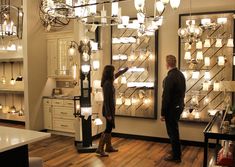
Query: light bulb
(185, 114)
(0, 106)
(205, 86)
(127, 102)
(12, 81)
(85, 56)
(197, 114)
(85, 68)
(119, 101)
(72, 51)
(78, 107)
(115, 9)
(174, 3)
(147, 101)
(139, 5)
(3, 79)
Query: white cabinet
(58, 115)
(58, 65)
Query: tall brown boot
(100, 149)
(109, 147)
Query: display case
(206, 59)
(136, 90)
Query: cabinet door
(47, 117)
(62, 59)
(52, 58)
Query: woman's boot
(109, 147)
(100, 149)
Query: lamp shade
(206, 22)
(85, 68)
(199, 55)
(140, 17)
(127, 102)
(139, 5)
(221, 60)
(115, 9)
(97, 84)
(222, 20)
(119, 101)
(207, 75)
(86, 111)
(199, 45)
(187, 55)
(195, 74)
(205, 86)
(218, 43)
(125, 20)
(160, 6)
(207, 61)
(96, 64)
(98, 121)
(207, 43)
(216, 86)
(175, 3)
(230, 42)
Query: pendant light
(5, 108)
(175, 3)
(3, 79)
(13, 108)
(21, 111)
(12, 81)
(0, 106)
(160, 7)
(19, 77)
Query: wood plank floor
(59, 151)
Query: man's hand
(162, 118)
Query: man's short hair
(171, 60)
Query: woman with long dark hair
(108, 109)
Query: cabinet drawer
(63, 125)
(69, 103)
(63, 112)
(46, 101)
(57, 102)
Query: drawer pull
(64, 125)
(64, 113)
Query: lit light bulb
(205, 86)
(3, 79)
(96, 64)
(0, 106)
(197, 114)
(174, 3)
(160, 6)
(12, 81)
(206, 100)
(147, 101)
(185, 114)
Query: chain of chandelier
(87, 12)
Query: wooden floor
(59, 151)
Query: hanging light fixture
(139, 5)
(230, 42)
(3, 79)
(12, 81)
(21, 111)
(174, 3)
(13, 108)
(96, 64)
(12, 20)
(19, 77)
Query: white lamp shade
(125, 20)
(119, 101)
(205, 86)
(92, 8)
(85, 68)
(147, 101)
(222, 20)
(175, 3)
(195, 74)
(140, 18)
(207, 75)
(207, 61)
(185, 114)
(69, 2)
(218, 43)
(115, 9)
(96, 64)
(199, 55)
(207, 43)
(221, 60)
(97, 84)
(86, 111)
(98, 121)
(216, 86)
(230, 42)
(12, 82)
(165, 1)
(123, 80)
(197, 114)
(160, 6)
(139, 5)
(206, 21)
(199, 45)
(94, 46)
(187, 55)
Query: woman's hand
(109, 118)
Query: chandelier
(96, 12)
(11, 20)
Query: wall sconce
(96, 64)
(195, 74)
(222, 20)
(205, 86)
(230, 42)
(86, 112)
(207, 61)
(221, 60)
(187, 55)
(218, 43)
(207, 75)
(207, 43)
(72, 49)
(199, 45)
(199, 56)
(216, 86)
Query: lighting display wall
(206, 62)
(136, 90)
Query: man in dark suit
(172, 106)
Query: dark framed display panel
(215, 99)
(136, 101)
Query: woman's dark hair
(108, 74)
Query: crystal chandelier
(192, 32)
(11, 21)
